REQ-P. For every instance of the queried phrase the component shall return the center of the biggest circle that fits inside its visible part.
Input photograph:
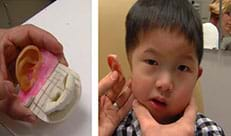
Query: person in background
(225, 20)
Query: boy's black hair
(147, 15)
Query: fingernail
(63, 61)
(114, 75)
(130, 83)
(126, 88)
(134, 103)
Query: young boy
(164, 44)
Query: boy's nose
(164, 82)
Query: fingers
(190, 112)
(3, 90)
(10, 104)
(124, 96)
(62, 59)
(28, 34)
(6, 89)
(15, 109)
(145, 118)
(116, 90)
(3, 72)
(2, 31)
(107, 82)
(126, 107)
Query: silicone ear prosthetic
(49, 89)
(114, 63)
(27, 65)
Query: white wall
(216, 87)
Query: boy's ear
(113, 63)
(200, 71)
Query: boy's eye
(183, 68)
(151, 62)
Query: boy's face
(164, 72)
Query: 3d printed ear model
(54, 93)
(27, 66)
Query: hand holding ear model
(12, 41)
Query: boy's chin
(167, 120)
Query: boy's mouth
(158, 103)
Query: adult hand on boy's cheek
(12, 41)
(111, 91)
(150, 127)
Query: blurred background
(15, 12)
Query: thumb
(107, 82)
(18, 111)
(144, 117)
(14, 108)
(189, 113)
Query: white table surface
(70, 22)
